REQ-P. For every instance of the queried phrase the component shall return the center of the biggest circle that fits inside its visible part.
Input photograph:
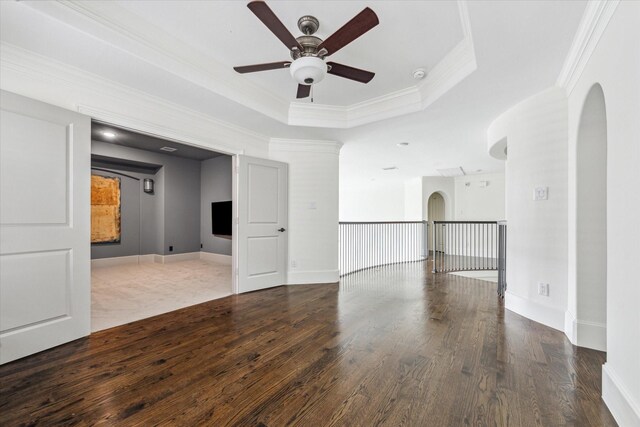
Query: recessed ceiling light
(169, 149)
(419, 74)
(403, 144)
(108, 134)
(390, 168)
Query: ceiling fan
(308, 51)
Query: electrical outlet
(543, 289)
(294, 263)
(541, 193)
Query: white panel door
(262, 220)
(45, 288)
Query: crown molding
(594, 21)
(459, 63)
(39, 77)
(111, 23)
(307, 145)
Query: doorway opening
(436, 212)
(591, 223)
(161, 234)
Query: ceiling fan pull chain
(312, 93)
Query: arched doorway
(436, 209)
(591, 222)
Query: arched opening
(436, 211)
(591, 222)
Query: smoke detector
(419, 74)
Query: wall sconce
(147, 185)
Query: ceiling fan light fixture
(308, 70)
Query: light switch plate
(541, 193)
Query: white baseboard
(165, 259)
(591, 335)
(219, 258)
(548, 316)
(625, 411)
(145, 259)
(584, 333)
(570, 327)
(309, 277)
(113, 261)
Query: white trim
(570, 327)
(548, 316)
(591, 335)
(312, 146)
(57, 83)
(117, 26)
(166, 259)
(113, 24)
(113, 261)
(146, 259)
(159, 259)
(619, 401)
(312, 277)
(594, 21)
(219, 258)
(583, 333)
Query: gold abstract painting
(105, 209)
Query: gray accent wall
(176, 201)
(215, 186)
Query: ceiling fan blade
(360, 24)
(268, 18)
(262, 67)
(351, 73)
(303, 91)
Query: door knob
(281, 230)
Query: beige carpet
(126, 293)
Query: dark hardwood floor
(394, 346)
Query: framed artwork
(105, 209)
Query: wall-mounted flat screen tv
(221, 218)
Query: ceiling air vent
(451, 172)
(169, 149)
(390, 168)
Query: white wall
(313, 208)
(615, 65)
(413, 204)
(476, 203)
(215, 186)
(446, 187)
(536, 132)
(378, 201)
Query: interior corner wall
(480, 197)
(215, 186)
(615, 65)
(178, 206)
(313, 214)
(443, 185)
(537, 133)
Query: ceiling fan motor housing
(308, 70)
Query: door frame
(177, 136)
